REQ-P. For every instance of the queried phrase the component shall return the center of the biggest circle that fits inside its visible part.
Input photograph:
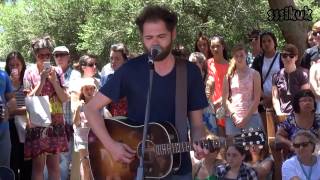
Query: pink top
(32, 79)
(242, 93)
(217, 71)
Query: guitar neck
(166, 149)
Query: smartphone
(15, 72)
(47, 65)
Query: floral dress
(52, 139)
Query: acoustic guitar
(162, 153)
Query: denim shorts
(254, 122)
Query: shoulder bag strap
(270, 67)
(181, 99)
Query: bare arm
(11, 102)
(313, 81)
(225, 94)
(119, 151)
(197, 127)
(264, 168)
(275, 100)
(282, 138)
(256, 95)
(61, 92)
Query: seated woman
(304, 165)
(205, 169)
(235, 168)
(260, 159)
(303, 117)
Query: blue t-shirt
(131, 80)
(5, 87)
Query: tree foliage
(91, 26)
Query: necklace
(308, 176)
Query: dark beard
(164, 53)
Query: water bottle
(2, 109)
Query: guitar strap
(181, 99)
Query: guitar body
(155, 166)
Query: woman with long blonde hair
(241, 94)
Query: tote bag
(38, 108)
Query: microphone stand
(140, 171)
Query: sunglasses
(91, 64)
(61, 55)
(303, 144)
(44, 56)
(285, 55)
(316, 33)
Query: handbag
(38, 108)
(21, 122)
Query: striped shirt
(20, 96)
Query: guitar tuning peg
(249, 134)
(256, 133)
(258, 142)
(251, 143)
(242, 135)
(243, 144)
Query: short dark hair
(155, 13)
(273, 37)
(254, 33)
(291, 48)
(300, 94)
(17, 55)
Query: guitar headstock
(250, 137)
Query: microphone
(155, 50)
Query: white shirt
(291, 168)
(267, 85)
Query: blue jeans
(5, 144)
(254, 122)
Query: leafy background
(91, 26)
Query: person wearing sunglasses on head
(44, 144)
(305, 165)
(288, 81)
(303, 117)
(312, 55)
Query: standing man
(157, 26)
(7, 105)
(62, 59)
(118, 56)
(254, 42)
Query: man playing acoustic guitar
(157, 26)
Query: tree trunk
(294, 32)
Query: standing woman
(267, 64)
(217, 69)
(288, 81)
(203, 45)
(15, 67)
(43, 145)
(241, 94)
